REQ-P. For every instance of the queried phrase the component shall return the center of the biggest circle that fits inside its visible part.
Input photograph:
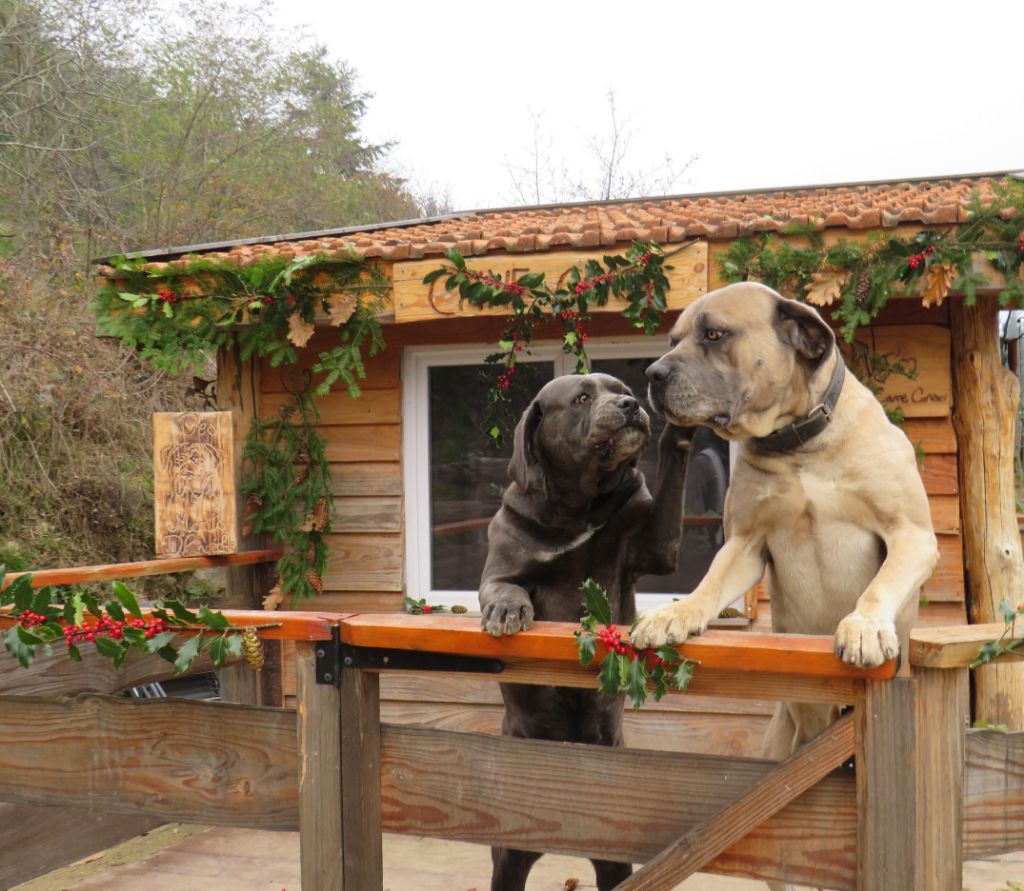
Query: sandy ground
(197, 858)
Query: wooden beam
(986, 400)
(171, 760)
(811, 763)
(238, 392)
(470, 787)
(792, 654)
(105, 572)
(957, 646)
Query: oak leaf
(826, 287)
(938, 279)
(274, 598)
(340, 308)
(299, 330)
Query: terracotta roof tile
(663, 220)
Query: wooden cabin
(415, 481)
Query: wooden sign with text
(417, 302)
(193, 483)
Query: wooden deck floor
(172, 858)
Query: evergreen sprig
(869, 273)
(636, 278)
(1006, 643)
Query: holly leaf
(234, 644)
(186, 653)
(158, 641)
(20, 593)
(109, 648)
(609, 674)
(18, 648)
(682, 675)
(127, 599)
(219, 651)
(596, 602)
(585, 643)
(41, 600)
(114, 609)
(181, 613)
(1007, 610)
(217, 621)
(636, 684)
(74, 654)
(432, 277)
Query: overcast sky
(767, 94)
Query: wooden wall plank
(377, 478)
(924, 350)
(947, 581)
(939, 474)
(364, 562)
(383, 371)
(945, 510)
(363, 442)
(931, 434)
(361, 601)
(358, 514)
(416, 302)
(339, 409)
(994, 803)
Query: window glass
(467, 473)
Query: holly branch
(624, 667)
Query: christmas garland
(117, 625)
(859, 278)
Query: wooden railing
(901, 820)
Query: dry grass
(75, 428)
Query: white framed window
(454, 477)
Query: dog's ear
(800, 326)
(524, 465)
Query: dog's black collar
(791, 437)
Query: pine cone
(302, 456)
(311, 555)
(252, 647)
(317, 583)
(301, 475)
(252, 504)
(318, 521)
(863, 288)
(458, 609)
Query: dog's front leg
(867, 637)
(656, 542)
(737, 567)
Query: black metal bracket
(332, 656)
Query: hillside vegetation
(123, 128)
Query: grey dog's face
(580, 424)
(735, 356)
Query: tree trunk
(986, 398)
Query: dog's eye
(713, 335)
(579, 400)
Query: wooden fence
(924, 791)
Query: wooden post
(910, 786)
(320, 794)
(339, 778)
(986, 404)
(238, 391)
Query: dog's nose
(627, 404)
(658, 372)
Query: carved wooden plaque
(194, 484)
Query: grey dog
(577, 508)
